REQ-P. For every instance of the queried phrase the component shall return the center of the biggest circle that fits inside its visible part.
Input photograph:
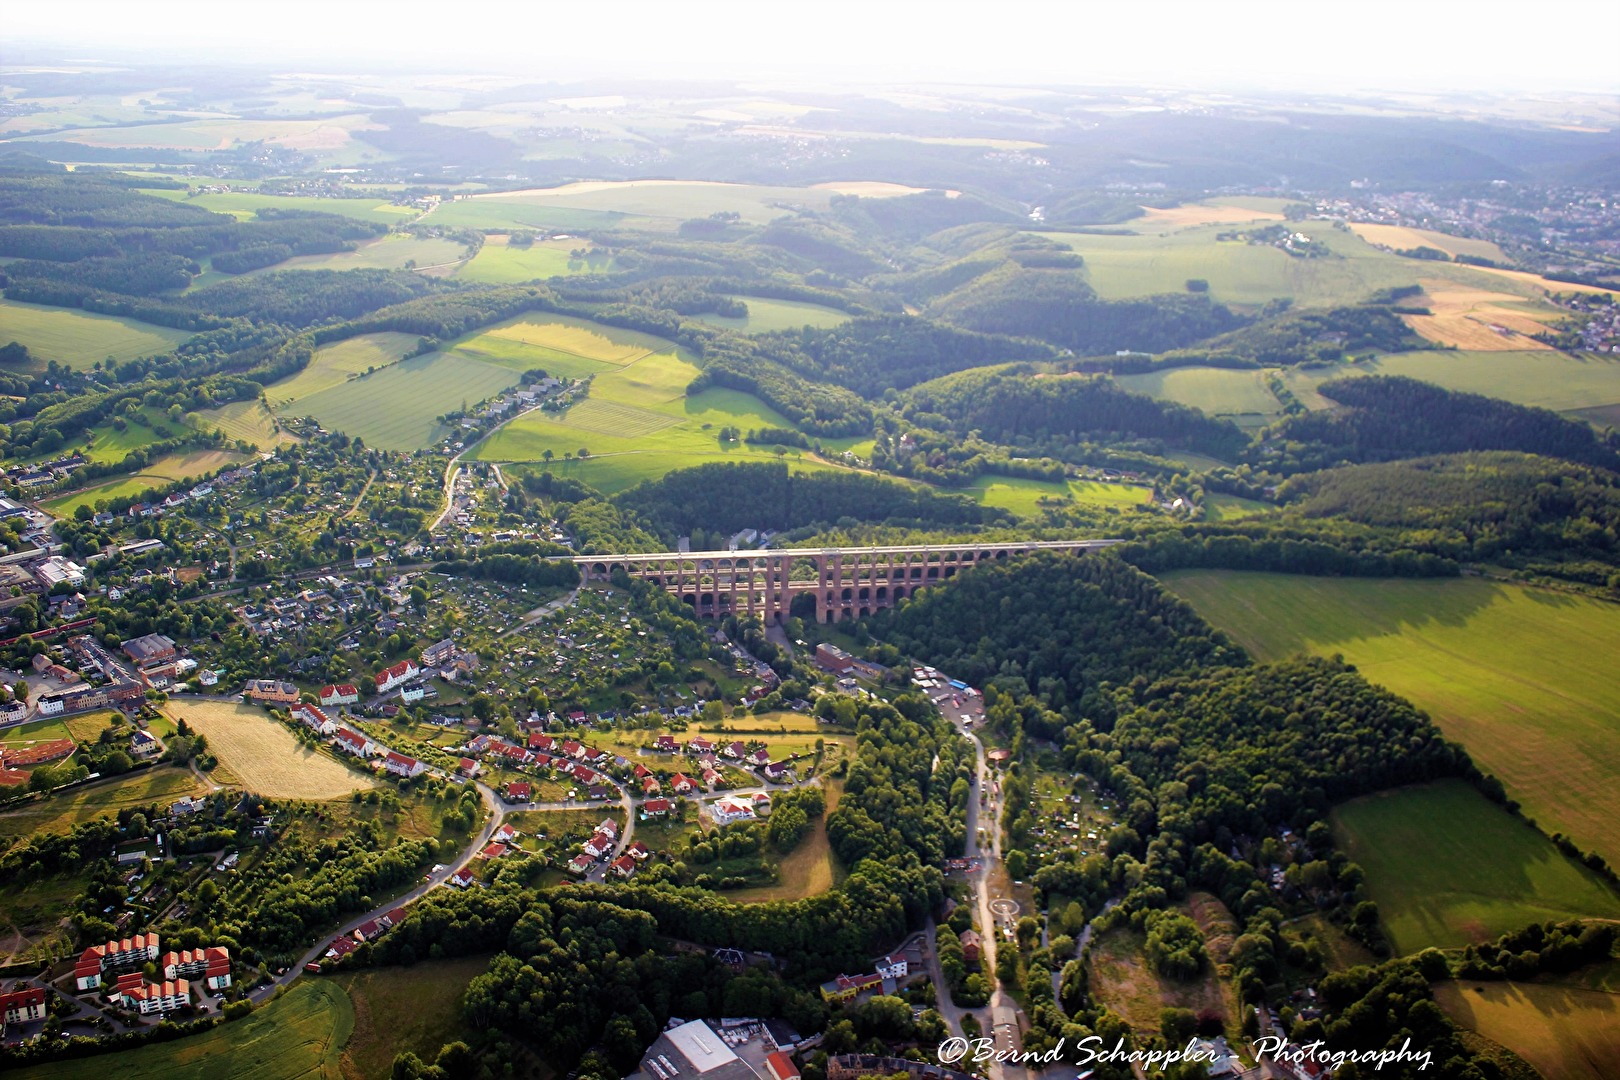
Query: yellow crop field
(263, 753)
(1402, 238)
(1564, 1032)
(577, 337)
(1183, 217)
(1467, 317)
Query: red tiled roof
(657, 806)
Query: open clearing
(767, 315)
(389, 252)
(1503, 669)
(1120, 978)
(1564, 1032)
(415, 1009)
(809, 869)
(58, 813)
(398, 408)
(263, 754)
(1023, 496)
(499, 263)
(580, 339)
(245, 204)
(335, 364)
(1217, 391)
(298, 1036)
(1447, 867)
(80, 338)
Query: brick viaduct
(845, 582)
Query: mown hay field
(262, 753)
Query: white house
(402, 766)
(895, 966)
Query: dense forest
(1387, 417)
(1051, 415)
(726, 498)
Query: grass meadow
(1542, 377)
(656, 204)
(77, 338)
(1448, 868)
(765, 316)
(1564, 1032)
(299, 1036)
(498, 263)
(263, 754)
(1023, 496)
(398, 407)
(250, 421)
(335, 364)
(1218, 391)
(245, 204)
(1505, 670)
(415, 1009)
(58, 813)
(159, 474)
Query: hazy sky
(1245, 44)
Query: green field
(334, 364)
(416, 1009)
(767, 315)
(645, 204)
(1239, 273)
(301, 1035)
(1564, 1032)
(78, 339)
(637, 422)
(1505, 670)
(249, 421)
(500, 264)
(398, 407)
(1544, 377)
(1218, 391)
(1447, 867)
(1023, 496)
(390, 252)
(58, 813)
(244, 204)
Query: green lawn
(79, 338)
(159, 474)
(767, 315)
(334, 364)
(1512, 673)
(416, 1009)
(397, 408)
(1447, 867)
(301, 1035)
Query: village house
(519, 791)
(541, 742)
(699, 745)
(462, 878)
(598, 845)
(624, 866)
(683, 784)
(271, 692)
(728, 810)
(893, 966)
(777, 770)
(351, 741)
(468, 767)
(650, 785)
(313, 718)
(638, 851)
(759, 757)
(610, 827)
(736, 751)
(212, 964)
(339, 694)
(23, 1006)
(971, 946)
(666, 744)
(402, 766)
(656, 807)
(401, 673)
(580, 864)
